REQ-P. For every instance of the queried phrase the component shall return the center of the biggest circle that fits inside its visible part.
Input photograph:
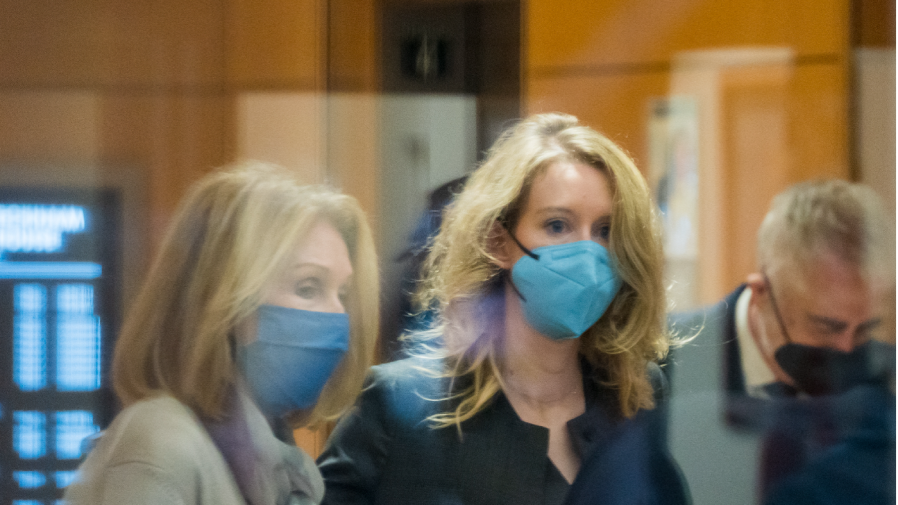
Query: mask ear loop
(776, 310)
(528, 252)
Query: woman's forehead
(570, 184)
(323, 245)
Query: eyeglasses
(776, 309)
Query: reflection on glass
(352, 92)
(72, 427)
(30, 337)
(29, 434)
(64, 478)
(78, 339)
(38, 228)
(29, 479)
(54, 249)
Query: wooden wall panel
(107, 43)
(616, 105)
(174, 138)
(49, 126)
(48, 42)
(816, 27)
(276, 43)
(353, 149)
(353, 59)
(626, 32)
(755, 166)
(819, 128)
(167, 43)
(286, 128)
(875, 23)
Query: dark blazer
(385, 452)
(634, 467)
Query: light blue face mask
(565, 288)
(294, 354)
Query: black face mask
(822, 371)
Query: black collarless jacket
(385, 452)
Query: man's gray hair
(828, 216)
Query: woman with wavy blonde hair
(546, 283)
(260, 309)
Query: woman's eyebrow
(302, 265)
(554, 210)
(320, 269)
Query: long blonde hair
(231, 235)
(461, 272)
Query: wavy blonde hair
(232, 234)
(462, 274)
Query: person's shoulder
(406, 390)
(160, 411)
(688, 323)
(159, 431)
(157, 450)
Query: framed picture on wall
(674, 179)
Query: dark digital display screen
(57, 314)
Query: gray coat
(157, 451)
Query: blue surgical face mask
(294, 354)
(565, 289)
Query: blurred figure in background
(260, 309)
(545, 281)
(806, 363)
(407, 319)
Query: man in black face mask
(829, 354)
(798, 341)
(812, 327)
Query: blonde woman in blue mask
(546, 279)
(260, 310)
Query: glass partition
(109, 111)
